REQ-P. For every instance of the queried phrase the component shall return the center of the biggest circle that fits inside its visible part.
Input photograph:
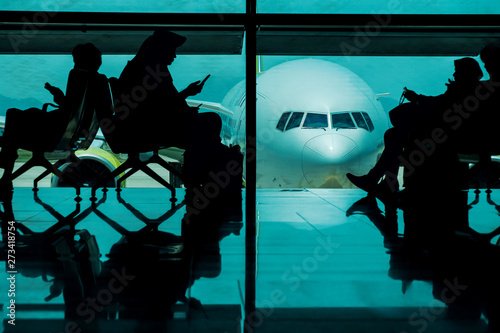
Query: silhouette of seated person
(150, 112)
(37, 129)
(479, 132)
(435, 180)
(409, 119)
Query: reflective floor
(129, 264)
(328, 261)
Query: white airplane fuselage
(324, 133)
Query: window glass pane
(368, 121)
(315, 120)
(295, 120)
(379, 7)
(282, 121)
(263, 6)
(360, 121)
(141, 6)
(342, 120)
(24, 76)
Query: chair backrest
(124, 139)
(82, 122)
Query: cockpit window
(283, 120)
(342, 120)
(368, 121)
(295, 120)
(315, 120)
(360, 121)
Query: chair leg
(129, 163)
(45, 174)
(59, 173)
(135, 164)
(37, 179)
(40, 160)
(125, 176)
(25, 167)
(147, 170)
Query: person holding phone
(147, 104)
(41, 129)
(413, 120)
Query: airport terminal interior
(304, 250)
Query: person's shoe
(366, 183)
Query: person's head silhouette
(490, 56)
(87, 57)
(160, 48)
(467, 70)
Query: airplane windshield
(312, 120)
(368, 121)
(295, 120)
(283, 120)
(360, 121)
(316, 120)
(342, 120)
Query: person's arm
(194, 88)
(412, 96)
(191, 90)
(56, 92)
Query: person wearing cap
(414, 119)
(149, 108)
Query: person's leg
(202, 139)
(23, 129)
(10, 139)
(388, 164)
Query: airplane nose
(329, 149)
(325, 156)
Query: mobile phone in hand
(204, 80)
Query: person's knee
(10, 114)
(210, 123)
(392, 136)
(210, 117)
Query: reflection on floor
(127, 263)
(327, 262)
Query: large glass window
(305, 238)
(24, 76)
(379, 7)
(134, 6)
(263, 6)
